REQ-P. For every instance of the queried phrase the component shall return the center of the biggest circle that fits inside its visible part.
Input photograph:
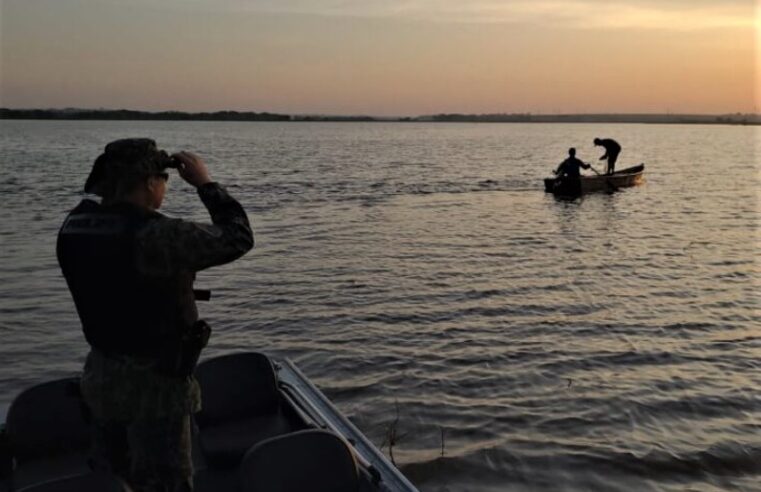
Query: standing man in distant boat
(130, 271)
(612, 149)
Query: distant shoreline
(130, 115)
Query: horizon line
(74, 109)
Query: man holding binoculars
(130, 271)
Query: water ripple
(422, 278)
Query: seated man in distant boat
(612, 149)
(571, 167)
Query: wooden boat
(631, 176)
(263, 426)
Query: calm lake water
(419, 271)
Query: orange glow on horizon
(543, 57)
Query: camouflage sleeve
(166, 246)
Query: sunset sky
(383, 57)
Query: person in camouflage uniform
(130, 271)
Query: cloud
(679, 15)
(623, 15)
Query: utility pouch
(184, 361)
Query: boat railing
(322, 410)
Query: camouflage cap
(123, 158)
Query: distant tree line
(736, 118)
(333, 118)
(498, 117)
(125, 114)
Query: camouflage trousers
(151, 455)
(142, 422)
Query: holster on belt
(183, 361)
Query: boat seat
(47, 432)
(86, 482)
(241, 406)
(216, 480)
(315, 460)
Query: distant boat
(631, 176)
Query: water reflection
(471, 306)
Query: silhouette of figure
(130, 271)
(571, 167)
(612, 149)
(568, 181)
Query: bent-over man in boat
(612, 149)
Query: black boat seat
(225, 444)
(52, 468)
(47, 432)
(216, 480)
(86, 482)
(241, 406)
(313, 460)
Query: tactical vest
(122, 311)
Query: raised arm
(166, 246)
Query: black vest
(121, 310)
